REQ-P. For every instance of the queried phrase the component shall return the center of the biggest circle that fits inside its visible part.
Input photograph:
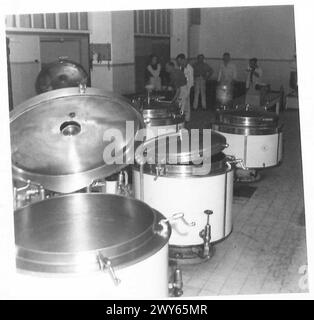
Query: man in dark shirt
(202, 72)
(179, 83)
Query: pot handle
(105, 263)
(177, 216)
(232, 160)
(164, 223)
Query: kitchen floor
(266, 252)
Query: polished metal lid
(59, 74)
(162, 113)
(218, 165)
(57, 138)
(247, 118)
(158, 112)
(160, 109)
(155, 106)
(69, 233)
(183, 147)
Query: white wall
(122, 37)
(179, 41)
(100, 28)
(99, 25)
(115, 28)
(123, 57)
(267, 33)
(194, 40)
(102, 77)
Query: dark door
(144, 47)
(73, 47)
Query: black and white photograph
(156, 152)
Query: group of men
(183, 78)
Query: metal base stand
(189, 254)
(247, 176)
(176, 282)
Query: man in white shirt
(254, 83)
(202, 72)
(153, 73)
(227, 72)
(254, 74)
(189, 75)
(179, 84)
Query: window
(59, 21)
(152, 22)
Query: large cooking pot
(161, 113)
(254, 136)
(62, 73)
(91, 246)
(248, 121)
(57, 138)
(160, 116)
(186, 187)
(224, 94)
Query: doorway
(73, 47)
(144, 47)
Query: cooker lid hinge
(106, 264)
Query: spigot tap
(205, 234)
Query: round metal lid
(248, 118)
(60, 74)
(57, 138)
(158, 109)
(183, 147)
(218, 165)
(67, 233)
(160, 122)
(245, 131)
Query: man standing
(227, 72)
(202, 72)
(254, 75)
(254, 93)
(153, 70)
(179, 83)
(188, 72)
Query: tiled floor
(266, 253)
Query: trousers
(184, 101)
(199, 89)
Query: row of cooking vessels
(99, 245)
